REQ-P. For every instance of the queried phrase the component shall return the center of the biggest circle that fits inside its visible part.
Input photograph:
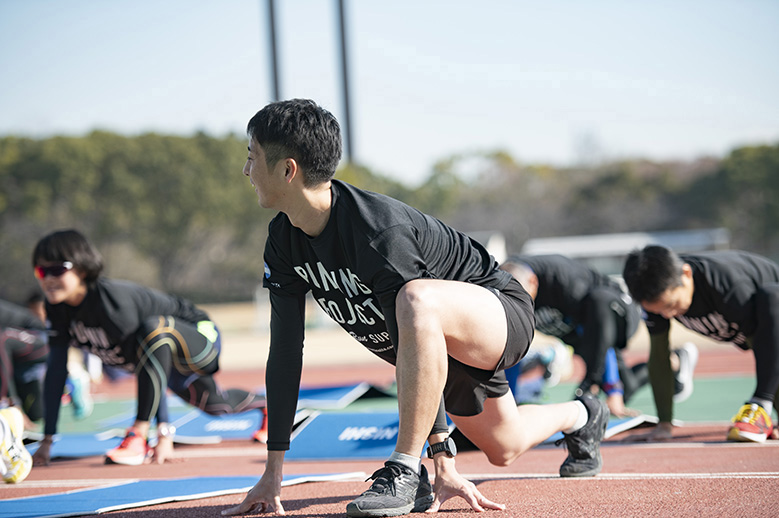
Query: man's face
(673, 301)
(264, 179)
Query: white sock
(581, 420)
(411, 462)
(768, 406)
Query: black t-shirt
(104, 324)
(723, 307)
(563, 284)
(106, 320)
(371, 246)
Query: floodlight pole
(345, 81)
(273, 51)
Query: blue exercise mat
(193, 427)
(330, 397)
(78, 445)
(192, 423)
(372, 436)
(142, 493)
(345, 435)
(197, 424)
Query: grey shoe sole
(419, 506)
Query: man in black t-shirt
(590, 312)
(730, 296)
(416, 293)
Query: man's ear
(533, 281)
(687, 281)
(291, 170)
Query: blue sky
(554, 82)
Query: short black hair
(299, 129)
(651, 271)
(69, 245)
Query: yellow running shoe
(751, 424)
(17, 460)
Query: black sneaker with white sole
(584, 459)
(396, 490)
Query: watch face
(451, 447)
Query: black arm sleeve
(163, 415)
(285, 363)
(53, 386)
(440, 425)
(599, 335)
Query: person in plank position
(727, 295)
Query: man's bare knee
(415, 298)
(501, 457)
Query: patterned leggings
(184, 356)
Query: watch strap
(440, 447)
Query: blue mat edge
(229, 485)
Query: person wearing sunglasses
(165, 340)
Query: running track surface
(697, 474)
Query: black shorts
(467, 387)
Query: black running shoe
(584, 458)
(396, 490)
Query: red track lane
(697, 474)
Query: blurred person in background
(23, 353)
(730, 296)
(165, 340)
(590, 312)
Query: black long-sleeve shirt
(371, 246)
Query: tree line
(176, 213)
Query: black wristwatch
(447, 447)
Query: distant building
(606, 252)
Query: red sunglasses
(55, 271)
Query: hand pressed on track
(42, 455)
(163, 451)
(449, 483)
(617, 408)
(264, 497)
(662, 432)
